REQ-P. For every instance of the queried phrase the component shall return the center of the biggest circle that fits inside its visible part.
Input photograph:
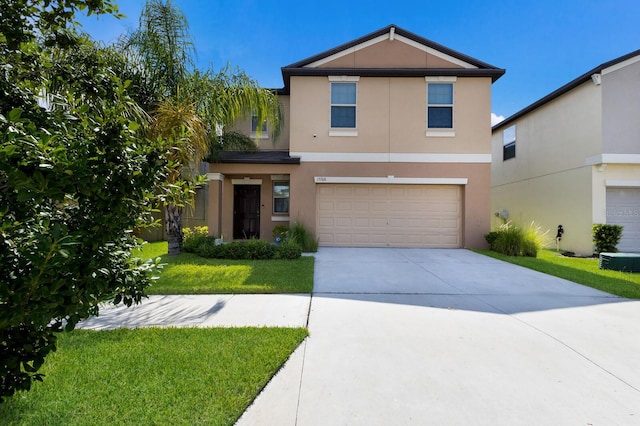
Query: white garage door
(380, 215)
(623, 208)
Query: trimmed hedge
(606, 237)
(210, 247)
(513, 240)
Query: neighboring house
(573, 158)
(386, 143)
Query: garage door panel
(623, 208)
(326, 222)
(389, 215)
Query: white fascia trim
(440, 79)
(440, 158)
(434, 52)
(246, 181)
(215, 176)
(361, 157)
(389, 36)
(279, 218)
(613, 159)
(622, 183)
(391, 180)
(348, 51)
(340, 78)
(621, 65)
(341, 157)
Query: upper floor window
(255, 127)
(509, 143)
(440, 105)
(343, 105)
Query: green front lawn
(192, 274)
(153, 376)
(584, 271)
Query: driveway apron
(451, 337)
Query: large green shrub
(76, 177)
(606, 237)
(305, 239)
(194, 237)
(512, 240)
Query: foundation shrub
(288, 249)
(305, 239)
(513, 240)
(606, 237)
(194, 237)
(280, 231)
(491, 238)
(247, 250)
(510, 240)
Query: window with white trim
(440, 105)
(343, 105)
(255, 126)
(509, 143)
(281, 197)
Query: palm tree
(188, 106)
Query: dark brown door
(246, 212)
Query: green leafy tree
(190, 109)
(75, 178)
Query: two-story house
(573, 158)
(386, 143)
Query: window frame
(264, 132)
(509, 142)
(343, 131)
(275, 197)
(441, 131)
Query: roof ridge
(565, 88)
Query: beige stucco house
(386, 143)
(573, 158)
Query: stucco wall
(266, 142)
(621, 104)
(391, 117)
(556, 137)
(562, 198)
(548, 181)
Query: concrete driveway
(450, 337)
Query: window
(281, 197)
(343, 105)
(254, 127)
(440, 106)
(509, 143)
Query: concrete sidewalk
(215, 310)
(450, 337)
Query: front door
(246, 212)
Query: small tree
(606, 237)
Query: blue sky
(542, 44)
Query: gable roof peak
(391, 31)
(331, 62)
